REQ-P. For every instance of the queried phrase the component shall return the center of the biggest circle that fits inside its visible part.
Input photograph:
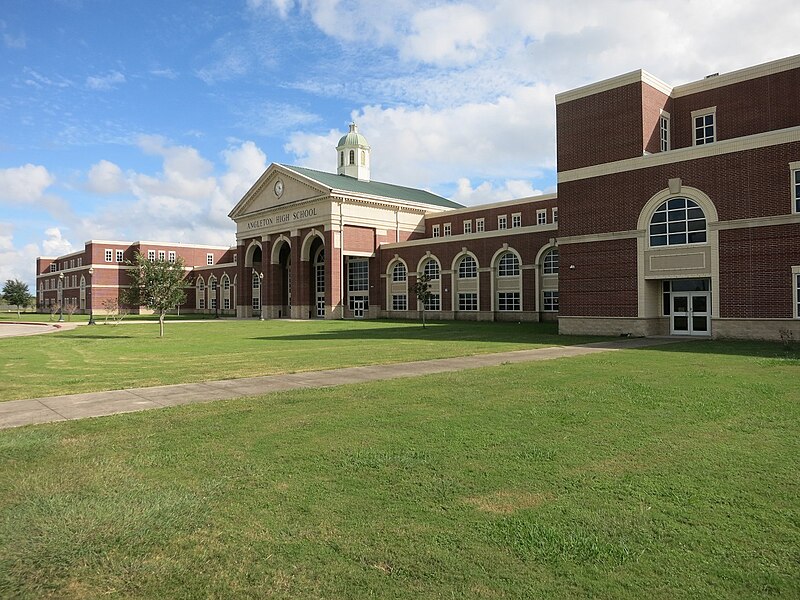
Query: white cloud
(25, 184)
(448, 34)
(167, 73)
(105, 177)
(105, 82)
(16, 261)
(54, 243)
(486, 192)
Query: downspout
(342, 293)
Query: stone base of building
(786, 330)
(617, 326)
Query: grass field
(659, 473)
(131, 355)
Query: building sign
(287, 217)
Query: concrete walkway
(20, 328)
(16, 413)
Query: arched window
(508, 265)
(363, 158)
(467, 268)
(201, 285)
(677, 221)
(399, 273)
(341, 158)
(550, 266)
(352, 157)
(432, 269)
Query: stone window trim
(467, 226)
(502, 222)
(541, 216)
(480, 225)
(796, 291)
(516, 220)
(794, 185)
(704, 126)
(664, 131)
(435, 231)
(109, 255)
(447, 229)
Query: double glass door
(691, 313)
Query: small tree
(114, 311)
(158, 285)
(422, 289)
(16, 292)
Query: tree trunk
(423, 317)
(161, 324)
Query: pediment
(264, 195)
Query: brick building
(679, 214)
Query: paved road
(96, 404)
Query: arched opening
(508, 282)
(317, 277)
(467, 286)
(352, 157)
(285, 280)
(397, 294)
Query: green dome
(353, 138)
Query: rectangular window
(541, 217)
(226, 304)
(357, 275)
(151, 255)
(796, 187)
(555, 215)
(162, 255)
(550, 303)
(663, 127)
(435, 231)
(516, 220)
(172, 256)
(399, 302)
(502, 222)
(213, 285)
(201, 302)
(212, 303)
(468, 226)
(468, 301)
(508, 301)
(433, 303)
(354, 299)
(705, 128)
(209, 259)
(53, 267)
(80, 262)
(120, 256)
(109, 255)
(448, 229)
(256, 304)
(479, 225)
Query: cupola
(352, 155)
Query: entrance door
(358, 309)
(690, 313)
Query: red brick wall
(653, 101)
(600, 128)
(756, 270)
(742, 185)
(603, 282)
(359, 239)
(527, 210)
(746, 108)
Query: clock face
(278, 188)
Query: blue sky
(150, 119)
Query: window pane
(700, 323)
(658, 240)
(658, 229)
(697, 238)
(659, 217)
(680, 304)
(700, 303)
(677, 238)
(677, 227)
(676, 203)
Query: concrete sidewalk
(16, 413)
(21, 328)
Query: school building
(677, 212)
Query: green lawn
(132, 355)
(659, 473)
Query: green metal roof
(374, 188)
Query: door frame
(690, 313)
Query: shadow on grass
(734, 348)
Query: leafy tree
(422, 289)
(16, 292)
(159, 285)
